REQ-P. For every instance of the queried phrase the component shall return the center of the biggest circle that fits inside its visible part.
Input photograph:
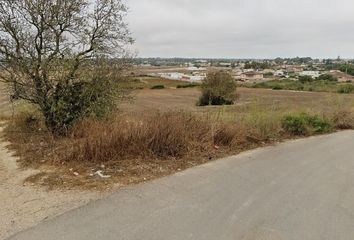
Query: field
(159, 132)
(155, 133)
(186, 99)
(314, 86)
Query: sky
(242, 28)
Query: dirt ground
(23, 205)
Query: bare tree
(44, 44)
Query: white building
(313, 74)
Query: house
(313, 74)
(279, 73)
(252, 75)
(342, 77)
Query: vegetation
(306, 124)
(305, 84)
(150, 144)
(158, 87)
(257, 65)
(190, 85)
(219, 88)
(328, 77)
(346, 68)
(346, 89)
(48, 49)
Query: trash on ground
(100, 174)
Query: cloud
(242, 28)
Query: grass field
(150, 82)
(160, 132)
(314, 86)
(186, 99)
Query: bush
(277, 87)
(268, 75)
(219, 88)
(70, 103)
(328, 77)
(295, 125)
(305, 124)
(158, 87)
(191, 85)
(346, 89)
(305, 79)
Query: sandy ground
(24, 206)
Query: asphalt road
(299, 190)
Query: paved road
(300, 190)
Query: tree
(219, 88)
(305, 79)
(46, 46)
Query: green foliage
(71, 103)
(305, 79)
(289, 84)
(257, 65)
(328, 77)
(191, 85)
(158, 87)
(305, 124)
(277, 87)
(346, 89)
(219, 88)
(268, 75)
(346, 68)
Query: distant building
(313, 74)
(252, 75)
(342, 77)
(225, 64)
(195, 69)
(182, 77)
(279, 73)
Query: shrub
(305, 79)
(295, 125)
(70, 103)
(346, 89)
(219, 88)
(277, 87)
(305, 124)
(191, 85)
(158, 87)
(319, 124)
(268, 75)
(328, 77)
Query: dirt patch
(24, 205)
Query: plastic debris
(100, 174)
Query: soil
(23, 205)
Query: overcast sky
(242, 28)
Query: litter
(100, 174)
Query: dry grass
(142, 145)
(166, 135)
